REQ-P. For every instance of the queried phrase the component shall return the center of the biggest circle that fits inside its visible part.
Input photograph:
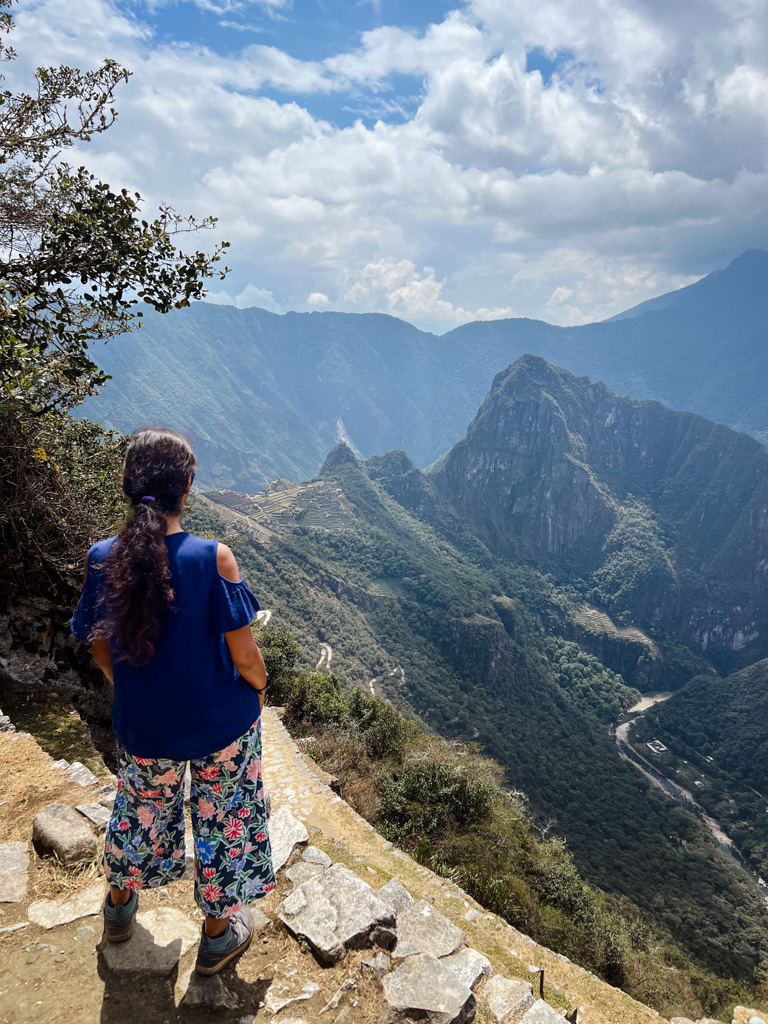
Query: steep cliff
(664, 512)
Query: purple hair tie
(148, 497)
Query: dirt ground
(60, 976)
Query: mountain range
(266, 396)
(514, 594)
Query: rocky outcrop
(335, 912)
(423, 988)
(550, 458)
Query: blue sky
(439, 161)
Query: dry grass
(27, 785)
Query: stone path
(340, 892)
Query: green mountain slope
(717, 734)
(266, 396)
(421, 612)
(658, 516)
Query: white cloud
(488, 190)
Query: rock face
(314, 856)
(285, 832)
(505, 997)
(422, 929)
(301, 872)
(334, 912)
(14, 866)
(196, 990)
(423, 988)
(549, 457)
(160, 938)
(59, 830)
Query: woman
(168, 618)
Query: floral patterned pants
(144, 844)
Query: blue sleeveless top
(190, 700)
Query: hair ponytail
(139, 595)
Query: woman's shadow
(150, 980)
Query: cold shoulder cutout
(233, 605)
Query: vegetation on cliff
(77, 261)
(715, 732)
(474, 644)
(449, 806)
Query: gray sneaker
(239, 933)
(118, 920)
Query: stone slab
(160, 938)
(285, 832)
(505, 996)
(97, 814)
(541, 1013)
(423, 988)
(469, 966)
(396, 895)
(301, 872)
(52, 913)
(334, 912)
(60, 831)
(284, 991)
(314, 856)
(14, 872)
(77, 772)
(422, 929)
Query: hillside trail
(679, 793)
(65, 973)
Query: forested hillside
(716, 733)
(658, 517)
(421, 612)
(267, 396)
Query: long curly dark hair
(138, 591)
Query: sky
(439, 161)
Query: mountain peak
(341, 455)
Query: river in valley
(673, 789)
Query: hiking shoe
(118, 921)
(214, 954)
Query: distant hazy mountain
(266, 396)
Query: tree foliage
(77, 259)
(77, 263)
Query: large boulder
(422, 929)
(334, 912)
(423, 988)
(59, 830)
(396, 895)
